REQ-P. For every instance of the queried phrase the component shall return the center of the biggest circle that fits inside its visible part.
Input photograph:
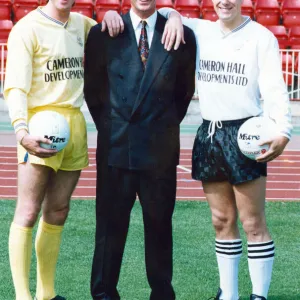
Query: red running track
(283, 177)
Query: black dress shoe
(218, 295)
(55, 298)
(104, 296)
(255, 297)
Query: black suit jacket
(137, 114)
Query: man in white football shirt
(238, 62)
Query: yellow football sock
(47, 245)
(20, 251)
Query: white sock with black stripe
(228, 254)
(260, 261)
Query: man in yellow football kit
(45, 72)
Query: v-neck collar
(52, 19)
(245, 22)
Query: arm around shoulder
(93, 70)
(185, 87)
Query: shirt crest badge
(79, 41)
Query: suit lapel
(157, 57)
(130, 54)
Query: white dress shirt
(137, 26)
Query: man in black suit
(137, 93)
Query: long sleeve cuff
(17, 105)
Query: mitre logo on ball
(50, 125)
(245, 136)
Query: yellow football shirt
(45, 63)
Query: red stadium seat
(84, 7)
(208, 12)
(247, 8)
(164, 3)
(294, 36)
(22, 7)
(102, 6)
(290, 13)
(267, 12)
(5, 9)
(125, 6)
(281, 34)
(5, 28)
(188, 8)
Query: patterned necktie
(144, 45)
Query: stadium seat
(102, 6)
(247, 8)
(290, 10)
(22, 7)
(281, 34)
(164, 3)
(5, 28)
(84, 7)
(207, 10)
(188, 8)
(5, 9)
(294, 36)
(125, 6)
(267, 12)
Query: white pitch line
(202, 197)
(184, 168)
(181, 188)
(268, 189)
(268, 181)
(276, 160)
(181, 160)
(78, 186)
(288, 167)
(178, 180)
(94, 171)
(282, 155)
(270, 167)
(178, 198)
(73, 196)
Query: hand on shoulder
(113, 23)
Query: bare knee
(225, 224)
(56, 215)
(26, 214)
(255, 228)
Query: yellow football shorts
(75, 155)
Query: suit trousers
(116, 194)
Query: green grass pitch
(195, 269)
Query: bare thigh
(221, 199)
(250, 199)
(32, 185)
(58, 194)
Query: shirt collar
(40, 10)
(136, 20)
(246, 20)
